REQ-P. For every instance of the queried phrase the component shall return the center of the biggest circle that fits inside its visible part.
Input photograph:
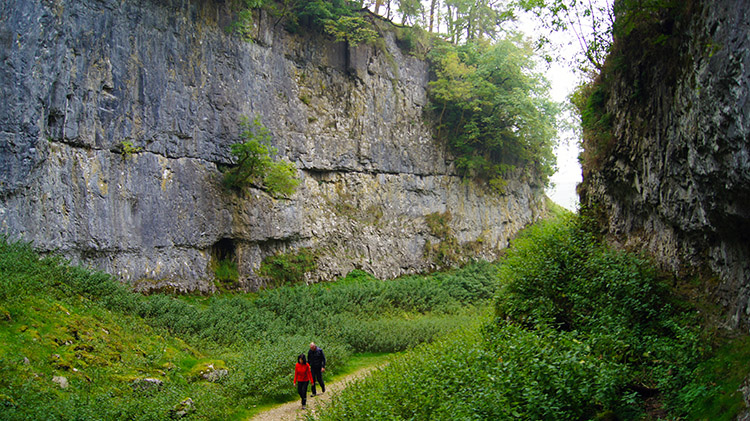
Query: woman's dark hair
(304, 360)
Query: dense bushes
(338, 18)
(580, 332)
(558, 276)
(510, 373)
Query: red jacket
(302, 373)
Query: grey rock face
(118, 115)
(677, 182)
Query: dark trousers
(302, 390)
(317, 379)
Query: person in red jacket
(302, 378)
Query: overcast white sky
(563, 183)
(563, 81)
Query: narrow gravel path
(292, 410)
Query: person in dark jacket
(317, 360)
(302, 377)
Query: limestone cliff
(117, 116)
(674, 178)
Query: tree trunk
(432, 13)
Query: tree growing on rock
(255, 164)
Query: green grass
(101, 353)
(61, 320)
(577, 330)
(365, 360)
(714, 392)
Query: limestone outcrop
(118, 117)
(676, 179)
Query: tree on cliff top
(493, 110)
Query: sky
(563, 183)
(563, 80)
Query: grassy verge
(714, 392)
(365, 360)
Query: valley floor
(291, 411)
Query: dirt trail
(291, 411)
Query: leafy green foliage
(492, 111)
(127, 148)
(580, 332)
(590, 22)
(289, 268)
(69, 321)
(470, 20)
(255, 164)
(559, 276)
(714, 391)
(322, 11)
(590, 100)
(414, 40)
(352, 29)
(337, 18)
(508, 373)
(281, 178)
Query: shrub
(558, 276)
(255, 165)
(226, 273)
(352, 29)
(127, 148)
(281, 179)
(581, 332)
(288, 268)
(490, 110)
(395, 334)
